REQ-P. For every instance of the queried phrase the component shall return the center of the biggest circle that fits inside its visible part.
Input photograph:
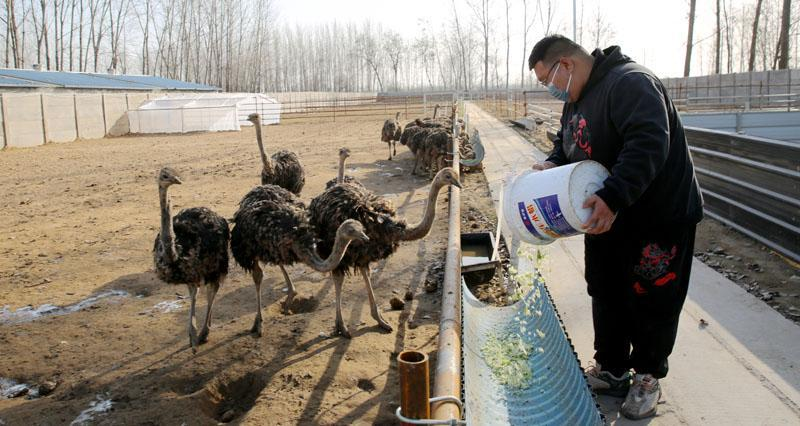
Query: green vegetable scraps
(507, 356)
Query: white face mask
(562, 95)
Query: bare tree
(601, 29)
(546, 17)
(13, 32)
(508, 41)
(717, 48)
(369, 52)
(526, 26)
(783, 49)
(393, 47)
(481, 10)
(752, 62)
(688, 61)
(116, 28)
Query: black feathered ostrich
(191, 249)
(385, 230)
(344, 153)
(391, 134)
(283, 168)
(272, 227)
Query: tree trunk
(688, 62)
(717, 51)
(508, 43)
(783, 61)
(752, 63)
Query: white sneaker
(642, 399)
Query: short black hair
(551, 48)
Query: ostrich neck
(312, 259)
(264, 159)
(167, 233)
(421, 229)
(340, 176)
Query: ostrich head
(344, 153)
(446, 176)
(352, 230)
(254, 118)
(168, 176)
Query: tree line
(243, 45)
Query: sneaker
(605, 383)
(642, 399)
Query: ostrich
(271, 226)
(391, 134)
(344, 153)
(385, 230)
(191, 249)
(283, 169)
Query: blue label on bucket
(523, 214)
(551, 213)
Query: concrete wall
(34, 118)
(23, 120)
(59, 113)
(116, 110)
(89, 110)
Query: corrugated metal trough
(555, 394)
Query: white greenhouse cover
(202, 112)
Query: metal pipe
(414, 385)
(448, 361)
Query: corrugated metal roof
(16, 82)
(73, 80)
(165, 83)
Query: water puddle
(98, 406)
(30, 313)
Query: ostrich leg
(211, 293)
(390, 150)
(192, 330)
(338, 281)
(372, 305)
(394, 147)
(258, 274)
(290, 294)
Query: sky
(652, 32)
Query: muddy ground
(79, 220)
(755, 267)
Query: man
(640, 236)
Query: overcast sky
(652, 32)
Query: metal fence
(751, 184)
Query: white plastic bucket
(542, 206)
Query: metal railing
(751, 184)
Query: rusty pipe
(415, 390)
(447, 380)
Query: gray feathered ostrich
(191, 249)
(391, 134)
(283, 168)
(385, 231)
(271, 226)
(344, 153)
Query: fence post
(103, 102)
(77, 125)
(44, 120)
(4, 110)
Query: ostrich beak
(457, 184)
(363, 237)
(177, 180)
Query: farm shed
(184, 113)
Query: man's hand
(543, 166)
(602, 217)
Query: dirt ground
(80, 219)
(755, 267)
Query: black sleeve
(639, 113)
(557, 156)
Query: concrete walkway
(743, 368)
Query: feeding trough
(477, 266)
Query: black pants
(638, 283)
